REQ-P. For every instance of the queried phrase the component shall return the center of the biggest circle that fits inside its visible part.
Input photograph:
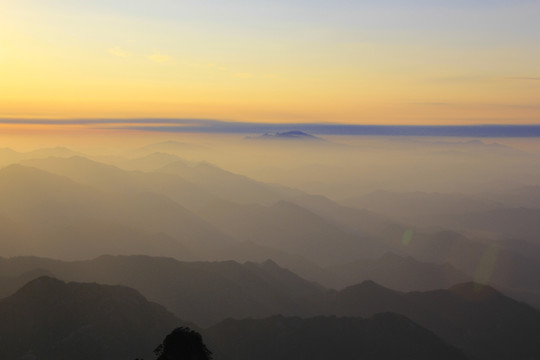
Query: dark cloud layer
(231, 127)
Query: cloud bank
(209, 126)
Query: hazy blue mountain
(69, 219)
(9, 156)
(151, 162)
(110, 178)
(422, 208)
(191, 184)
(76, 221)
(498, 215)
(7, 152)
(250, 251)
(286, 135)
(224, 184)
(213, 183)
(353, 219)
(49, 319)
(521, 223)
(397, 272)
(516, 197)
(484, 261)
(58, 151)
(290, 228)
(383, 336)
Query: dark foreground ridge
(475, 318)
(49, 319)
(383, 336)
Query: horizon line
(215, 126)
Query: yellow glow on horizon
(56, 64)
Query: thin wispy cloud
(433, 103)
(220, 69)
(243, 75)
(478, 105)
(118, 51)
(155, 57)
(533, 78)
(206, 66)
(159, 58)
(149, 121)
(462, 79)
(476, 79)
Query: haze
(271, 180)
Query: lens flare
(407, 237)
(486, 266)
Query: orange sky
(351, 62)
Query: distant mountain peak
(45, 281)
(367, 286)
(370, 284)
(42, 287)
(287, 135)
(270, 265)
(162, 155)
(18, 169)
(59, 320)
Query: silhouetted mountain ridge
(471, 316)
(190, 289)
(384, 336)
(286, 135)
(103, 222)
(50, 319)
(398, 272)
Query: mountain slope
(520, 223)
(50, 319)
(397, 272)
(69, 219)
(359, 221)
(290, 228)
(10, 284)
(223, 184)
(384, 336)
(476, 318)
(110, 178)
(249, 251)
(421, 208)
(190, 289)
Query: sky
(414, 62)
